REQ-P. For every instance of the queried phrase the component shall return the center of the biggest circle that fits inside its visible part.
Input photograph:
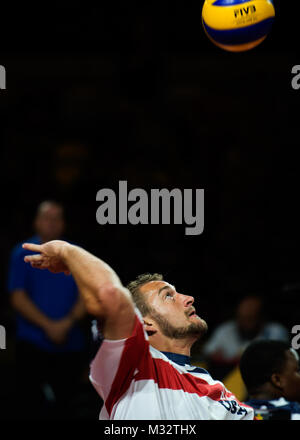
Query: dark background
(98, 93)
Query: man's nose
(187, 300)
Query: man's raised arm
(102, 291)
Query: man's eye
(169, 295)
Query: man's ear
(277, 381)
(150, 326)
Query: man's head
(249, 316)
(49, 221)
(271, 369)
(166, 312)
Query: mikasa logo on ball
(237, 25)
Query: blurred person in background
(50, 344)
(223, 349)
(270, 371)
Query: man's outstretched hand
(50, 256)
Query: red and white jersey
(138, 382)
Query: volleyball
(237, 25)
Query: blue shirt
(53, 294)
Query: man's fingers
(37, 266)
(32, 247)
(37, 258)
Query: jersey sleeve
(116, 362)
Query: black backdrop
(98, 93)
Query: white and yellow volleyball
(237, 25)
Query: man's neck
(178, 346)
(265, 393)
(180, 359)
(44, 239)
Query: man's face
(172, 311)
(291, 377)
(249, 317)
(49, 223)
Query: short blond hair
(138, 298)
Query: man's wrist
(65, 252)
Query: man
(270, 371)
(142, 372)
(48, 309)
(225, 346)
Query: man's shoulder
(272, 325)
(275, 330)
(227, 326)
(273, 406)
(281, 402)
